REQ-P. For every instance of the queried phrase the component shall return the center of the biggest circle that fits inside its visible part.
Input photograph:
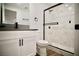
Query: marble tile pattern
(63, 33)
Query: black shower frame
(44, 17)
(44, 26)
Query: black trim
(37, 54)
(57, 23)
(61, 49)
(1, 21)
(22, 42)
(53, 23)
(19, 42)
(43, 25)
(44, 18)
(1, 14)
(53, 6)
(76, 26)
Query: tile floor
(51, 53)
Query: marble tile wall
(63, 33)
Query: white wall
(21, 13)
(36, 10)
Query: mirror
(10, 16)
(0, 12)
(16, 12)
(14, 16)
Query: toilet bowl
(41, 47)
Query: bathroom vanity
(16, 38)
(18, 43)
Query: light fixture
(70, 8)
(66, 5)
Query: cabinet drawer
(8, 34)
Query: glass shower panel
(62, 34)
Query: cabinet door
(29, 46)
(9, 47)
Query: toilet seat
(42, 43)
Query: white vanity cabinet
(9, 47)
(18, 43)
(28, 46)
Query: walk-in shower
(58, 26)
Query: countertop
(18, 29)
(11, 27)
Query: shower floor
(51, 53)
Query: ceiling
(18, 5)
(26, 5)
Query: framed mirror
(12, 13)
(16, 12)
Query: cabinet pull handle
(22, 42)
(19, 42)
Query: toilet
(41, 47)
